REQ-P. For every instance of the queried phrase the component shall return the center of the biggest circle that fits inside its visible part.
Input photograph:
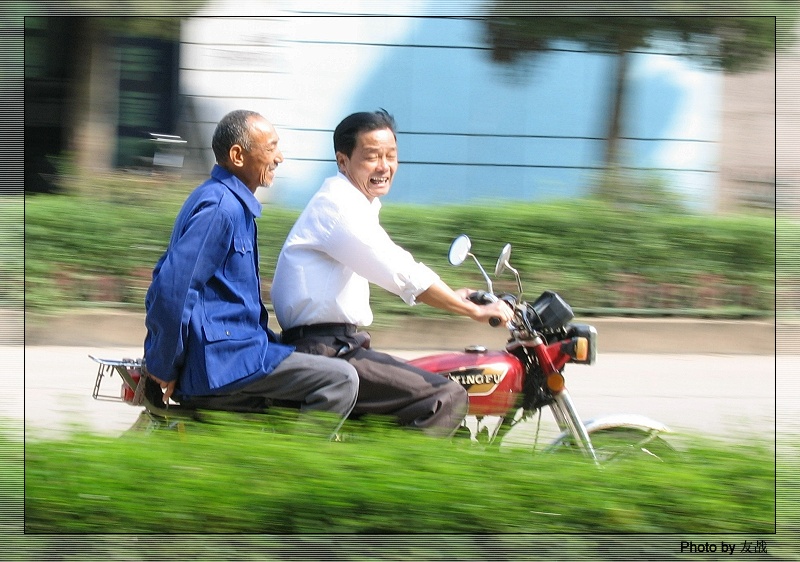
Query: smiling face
(372, 166)
(256, 165)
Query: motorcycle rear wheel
(147, 423)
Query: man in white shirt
(337, 247)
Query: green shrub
(584, 249)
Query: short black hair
(346, 133)
(232, 129)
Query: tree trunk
(91, 130)
(612, 161)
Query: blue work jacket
(206, 322)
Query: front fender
(626, 420)
(614, 421)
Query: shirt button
(227, 332)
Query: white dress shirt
(335, 249)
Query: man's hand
(442, 296)
(464, 293)
(167, 387)
(498, 309)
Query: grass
(233, 477)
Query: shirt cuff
(411, 284)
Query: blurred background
(665, 118)
(488, 108)
(629, 155)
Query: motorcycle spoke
(617, 443)
(613, 444)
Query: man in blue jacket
(207, 336)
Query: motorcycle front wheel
(612, 444)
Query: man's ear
(236, 156)
(341, 160)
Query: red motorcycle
(505, 387)
(513, 386)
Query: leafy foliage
(11, 256)
(233, 477)
(729, 43)
(577, 248)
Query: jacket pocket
(240, 264)
(230, 354)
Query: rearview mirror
(503, 264)
(459, 250)
(502, 261)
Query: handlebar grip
(482, 297)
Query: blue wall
(471, 130)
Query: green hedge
(595, 255)
(228, 477)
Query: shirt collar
(357, 195)
(238, 188)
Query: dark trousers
(390, 386)
(315, 385)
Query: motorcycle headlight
(582, 345)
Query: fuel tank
(493, 379)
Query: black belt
(300, 332)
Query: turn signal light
(555, 382)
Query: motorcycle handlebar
(483, 297)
